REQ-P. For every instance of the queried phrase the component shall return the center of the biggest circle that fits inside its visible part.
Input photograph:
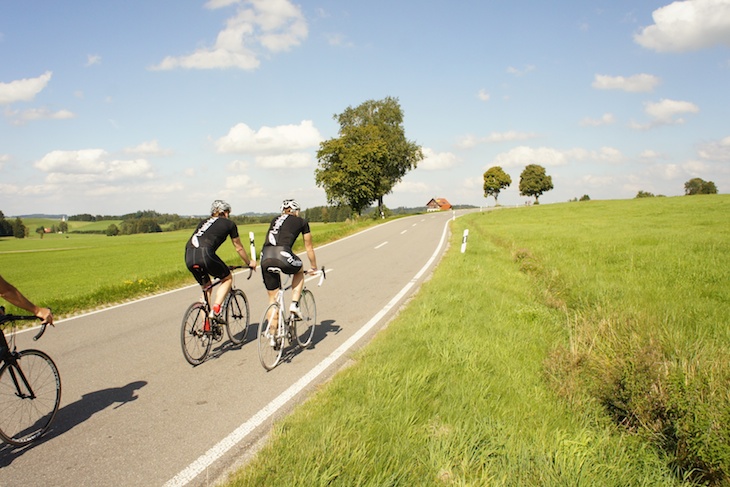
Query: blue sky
(113, 107)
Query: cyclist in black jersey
(200, 251)
(277, 252)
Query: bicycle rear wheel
(30, 393)
(195, 340)
(237, 317)
(304, 328)
(270, 347)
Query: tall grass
(468, 385)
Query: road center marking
(381, 245)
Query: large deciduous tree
(369, 157)
(534, 181)
(495, 180)
(699, 186)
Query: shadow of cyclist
(75, 414)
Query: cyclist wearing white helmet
(200, 251)
(277, 252)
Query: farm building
(438, 204)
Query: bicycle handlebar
(250, 269)
(6, 318)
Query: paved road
(134, 412)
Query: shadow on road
(75, 414)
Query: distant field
(74, 272)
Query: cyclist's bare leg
(297, 284)
(273, 320)
(223, 289)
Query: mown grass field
(79, 272)
(572, 344)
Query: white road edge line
(218, 450)
(382, 244)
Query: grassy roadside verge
(509, 366)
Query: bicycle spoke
(196, 341)
(270, 347)
(237, 317)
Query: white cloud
(259, 25)
(550, 157)
(649, 155)
(606, 119)
(294, 160)
(412, 187)
(714, 151)
(23, 89)
(633, 84)
(20, 117)
(469, 141)
(281, 139)
(150, 148)
(238, 181)
(687, 26)
(90, 166)
(483, 95)
(521, 72)
(665, 112)
(92, 59)
(434, 161)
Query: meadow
(76, 272)
(571, 344)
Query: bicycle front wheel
(271, 346)
(237, 317)
(30, 393)
(194, 338)
(305, 327)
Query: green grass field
(74, 272)
(572, 344)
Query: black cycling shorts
(279, 257)
(204, 262)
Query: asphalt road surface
(134, 412)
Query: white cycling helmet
(290, 205)
(219, 206)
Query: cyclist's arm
(310, 250)
(251, 262)
(13, 296)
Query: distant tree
(534, 181)
(585, 197)
(112, 230)
(18, 228)
(495, 180)
(63, 227)
(699, 186)
(40, 231)
(369, 157)
(6, 228)
(644, 194)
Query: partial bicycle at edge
(30, 388)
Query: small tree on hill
(699, 186)
(18, 228)
(534, 181)
(644, 194)
(495, 180)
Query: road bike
(199, 331)
(30, 388)
(292, 330)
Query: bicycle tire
(304, 328)
(25, 415)
(195, 341)
(270, 355)
(237, 317)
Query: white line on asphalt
(218, 450)
(382, 244)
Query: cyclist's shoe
(294, 309)
(216, 315)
